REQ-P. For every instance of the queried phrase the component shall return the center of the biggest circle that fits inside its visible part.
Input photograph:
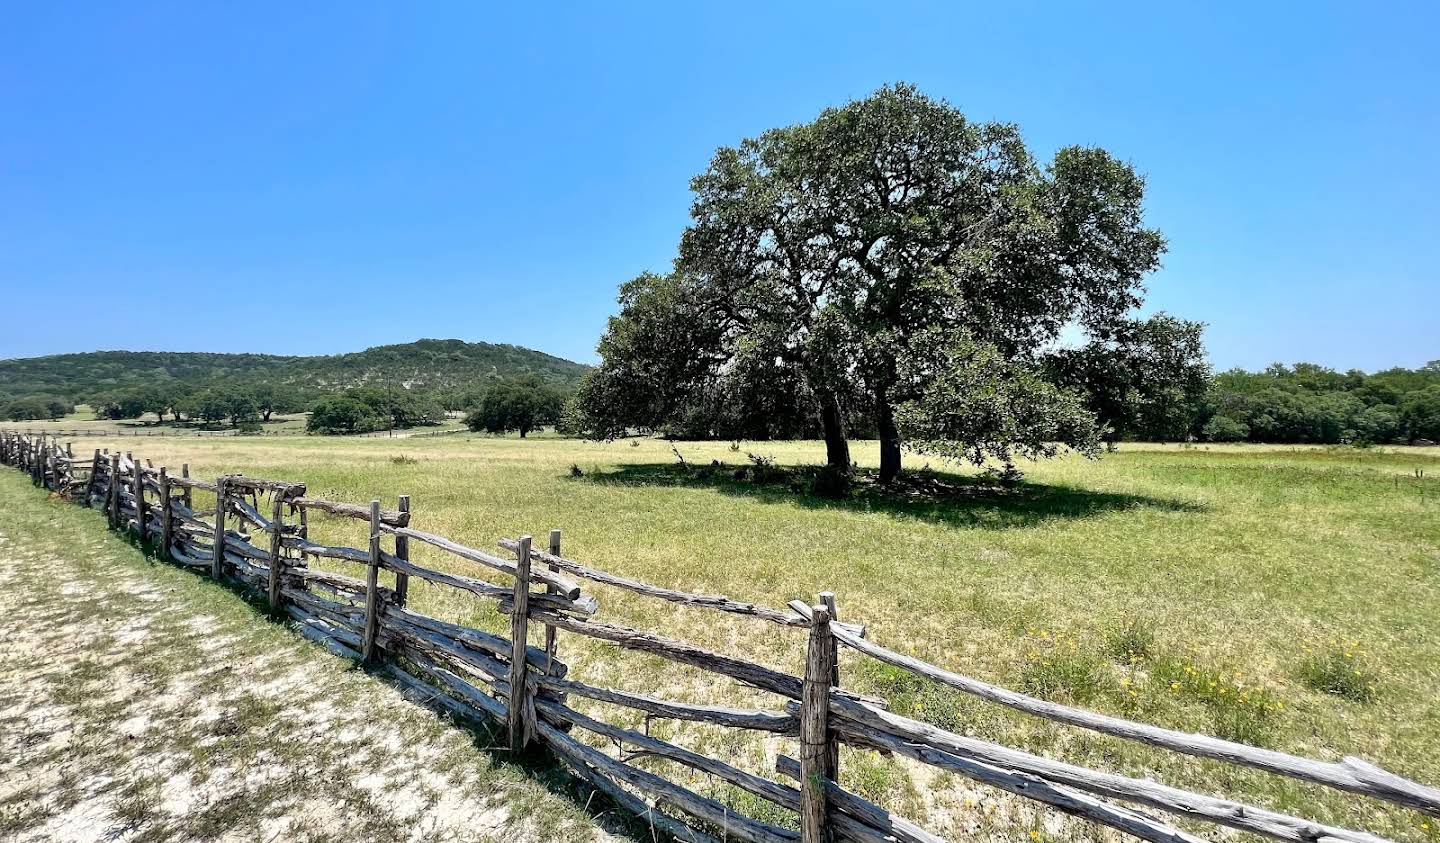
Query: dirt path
(141, 703)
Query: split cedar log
(765, 721)
(349, 510)
(859, 722)
(709, 601)
(877, 823)
(1347, 775)
(564, 585)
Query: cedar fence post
(185, 495)
(94, 473)
(827, 598)
(550, 589)
(217, 562)
(372, 587)
(521, 707)
(137, 486)
(815, 768)
(167, 524)
(113, 492)
(402, 552)
(277, 520)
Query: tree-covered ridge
(429, 363)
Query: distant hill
(432, 364)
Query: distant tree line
(1306, 403)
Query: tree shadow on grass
(954, 500)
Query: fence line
(526, 690)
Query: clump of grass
(576, 471)
(877, 779)
(1241, 710)
(403, 459)
(1056, 668)
(1339, 670)
(915, 696)
(1130, 642)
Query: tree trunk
(523, 431)
(837, 447)
(889, 440)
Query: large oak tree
(891, 258)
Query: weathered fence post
(137, 486)
(112, 493)
(167, 523)
(372, 587)
(217, 562)
(402, 552)
(827, 599)
(90, 484)
(277, 521)
(550, 589)
(185, 496)
(520, 705)
(815, 766)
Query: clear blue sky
(312, 178)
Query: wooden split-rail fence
(526, 690)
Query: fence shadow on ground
(937, 497)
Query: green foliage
(1340, 670)
(1307, 403)
(342, 414)
(522, 404)
(978, 406)
(36, 407)
(1143, 378)
(432, 365)
(826, 261)
(1224, 429)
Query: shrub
(575, 470)
(1341, 671)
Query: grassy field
(143, 704)
(1287, 597)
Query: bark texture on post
(815, 766)
(167, 524)
(277, 521)
(402, 552)
(137, 488)
(372, 588)
(113, 492)
(827, 599)
(521, 707)
(550, 589)
(217, 563)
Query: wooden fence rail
(527, 690)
